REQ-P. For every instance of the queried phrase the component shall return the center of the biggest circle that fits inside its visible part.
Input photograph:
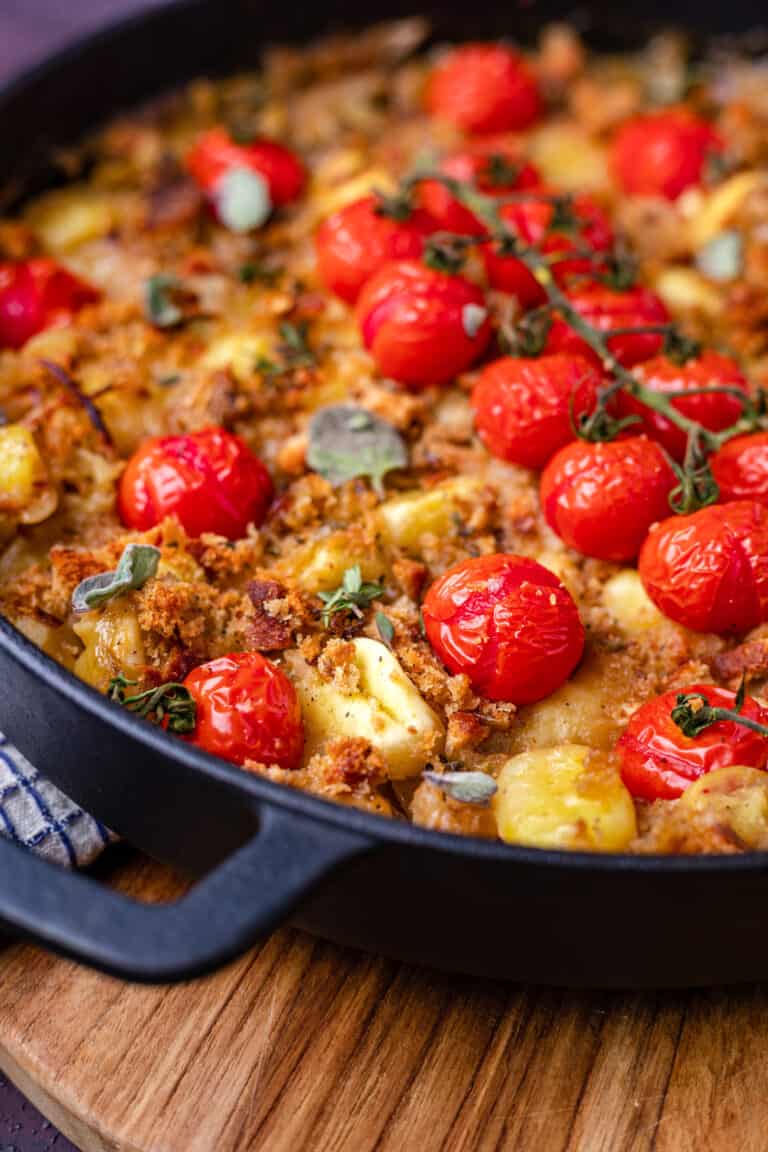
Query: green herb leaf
(468, 787)
(137, 564)
(160, 307)
(353, 595)
(722, 258)
(242, 200)
(169, 703)
(346, 442)
(385, 628)
(295, 348)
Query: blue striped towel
(35, 814)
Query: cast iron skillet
(267, 852)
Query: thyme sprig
(353, 595)
(169, 704)
(696, 487)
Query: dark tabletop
(29, 30)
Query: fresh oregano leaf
(353, 595)
(160, 307)
(242, 199)
(468, 787)
(346, 441)
(137, 564)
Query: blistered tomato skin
(601, 499)
(210, 481)
(38, 294)
(658, 762)
(709, 571)
(422, 327)
(713, 410)
(494, 166)
(354, 242)
(247, 709)
(607, 310)
(484, 88)
(529, 220)
(215, 154)
(740, 468)
(524, 406)
(663, 153)
(508, 624)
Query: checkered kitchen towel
(35, 814)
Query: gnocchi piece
(733, 798)
(384, 708)
(569, 157)
(564, 797)
(435, 512)
(372, 180)
(721, 205)
(113, 644)
(67, 217)
(583, 710)
(237, 351)
(685, 290)
(629, 603)
(25, 491)
(320, 565)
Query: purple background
(29, 29)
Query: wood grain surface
(304, 1047)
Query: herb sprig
(169, 704)
(353, 595)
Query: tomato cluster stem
(697, 486)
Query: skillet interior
(420, 895)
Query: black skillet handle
(231, 908)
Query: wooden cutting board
(303, 1046)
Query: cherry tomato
(524, 407)
(507, 623)
(601, 499)
(422, 327)
(606, 310)
(215, 153)
(658, 762)
(247, 709)
(38, 294)
(484, 88)
(494, 166)
(354, 242)
(662, 153)
(210, 481)
(530, 222)
(709, 571)
(714, 410)
(741, 468)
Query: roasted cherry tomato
(713, 410)
(658, 762)
(607, 310)
(709, 571)
(741, 468)
(507, 623)
(524, 408)
(247, 709)
(215, 154)
(663, 153)
(38, 294)
(484, 88)
(422, 327)
(530, 221)
(601, 499)
(210, 481)
(354, 242)
(494, 166)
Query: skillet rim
(378, 829)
